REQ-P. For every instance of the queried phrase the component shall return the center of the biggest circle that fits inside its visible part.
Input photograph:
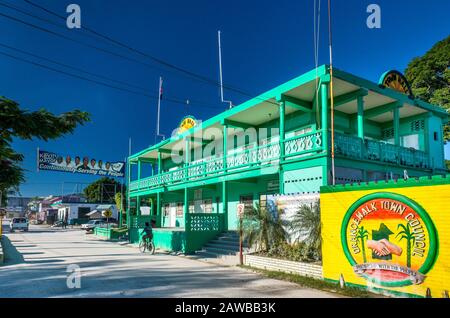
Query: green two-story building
(280, 143)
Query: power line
(180, 100)
(70, 66)
(153, 58)
(123, 45)
(169, 99)
(199, 77)
(76, 41)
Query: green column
(396, 113)
(281, 141)
(225, 204)
(187, 156)
(225, 147)
(139, 169)
(186, 208)
(360, 117)
(324, 105)
(159, 163)
(282, 130)
(128, 172)
(159, 215)
(138, 206)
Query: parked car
(58, 224)
(18, 224)
(89, 226)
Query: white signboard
(145, 210)
(240, 209)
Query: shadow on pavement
(12, 255)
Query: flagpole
(159, 109)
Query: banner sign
(389, 239)
(75, 164)
(397, 81)
(187, 123)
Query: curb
(2, 256)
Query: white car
(18, 224)
(89, 226)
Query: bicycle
(148, 245)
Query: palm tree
(306, 226)
(262, 229)
(363, 234)
(410, 240)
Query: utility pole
(331, 93)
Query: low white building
(74, 211)
(98, 212)
(71, 211)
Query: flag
(160, 89)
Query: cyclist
(148, 232)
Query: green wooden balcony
(373, 150)
(294, 147)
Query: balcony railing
(357, 148)
(294, 147)
(305, 144)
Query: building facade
(281, 143)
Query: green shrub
(297, 252)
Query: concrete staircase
(224, 249)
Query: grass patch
(313, 283)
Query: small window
(411, 141)
(247, 200)
(166, 209)
(263, 201)
(179, 209)
(435, 134)
(207, 204)
(303, 131)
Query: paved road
(37, 267)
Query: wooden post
(241, 255)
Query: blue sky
(265, 43)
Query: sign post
(107, 214)
(240, 213)
(2, 214)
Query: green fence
(200, 229)
(110, 233)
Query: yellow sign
(388, 237)
(107, 213)
(397, 81)
(186, 124)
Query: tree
(103, 190)
(362, 236)
(120, 202)
(429, 77)
(307, 227)
(410, 238)
(262, 229)
(26, 125)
